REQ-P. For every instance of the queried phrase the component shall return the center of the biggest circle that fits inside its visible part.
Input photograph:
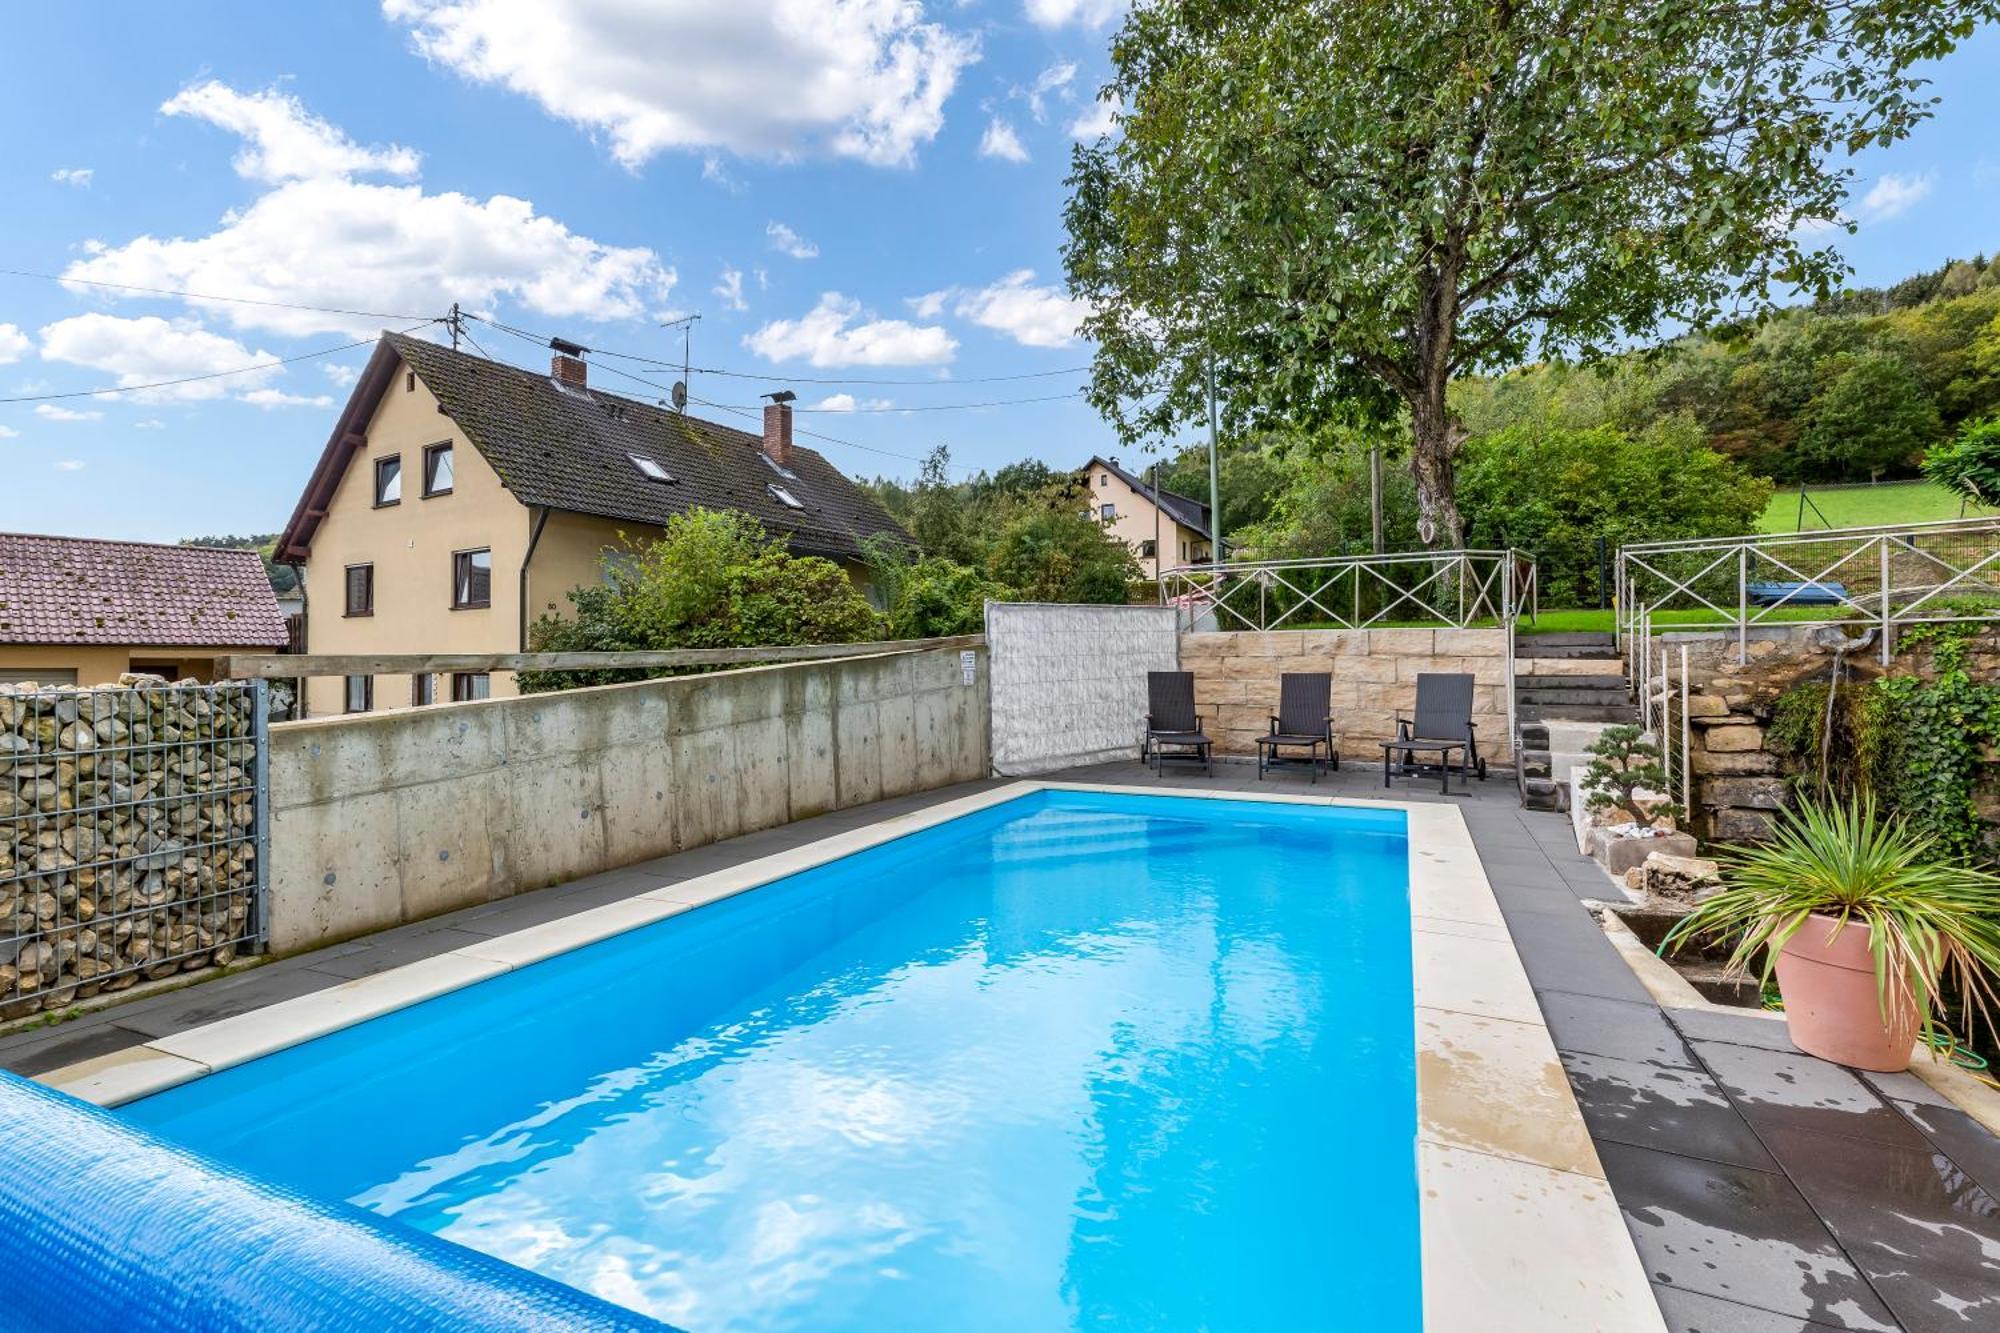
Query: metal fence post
(1888, 627)
(1742, 604)
(260, 739)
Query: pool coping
(1510, 1188)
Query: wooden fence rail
(284, 666)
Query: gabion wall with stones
(128, 835)
(1069, 682)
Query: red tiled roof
(78, 590)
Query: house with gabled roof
(83, 611)
(1164, 529)
(458, 499)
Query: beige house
(1162, 528)
(77, 611)
(459, 499)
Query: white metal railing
(1884, 577)
(1661, 684)
(1454, 589)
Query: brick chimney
(778, 427)
(566, 366)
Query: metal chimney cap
(781, 396)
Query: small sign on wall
(968, 665)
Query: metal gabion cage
(133, 833)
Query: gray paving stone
(1621, 1029)
(1671, 1110)
(1740, 1235)
(1745, 1029)
(1778, 1091)
(1924, 1234)
(1971, 1148)
(1692, 1312)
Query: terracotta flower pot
(1831, 1006)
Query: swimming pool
(1076, 1059)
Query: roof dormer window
(649, 469)
(783, 496)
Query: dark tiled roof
(569, 450)
(75, 590)
(1187, 512)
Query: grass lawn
(1866, 507)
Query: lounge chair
(1171, 721)
(1304, 721)
(1440, 724)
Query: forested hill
(1846, 390)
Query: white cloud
(150, 423)
(1055, 79)
(14, 344)
(831, 336)
(139, 351)
(1001, 141)
(787, 241)
(69, 465)
(766, 78)
(1083, 13)
(342, 376)
(931, 304)
(1894, 195)
(399, 249)
(730, 290)
(270, 398)
(8, 432)
(50, 412)
(845, 402)
(283, 141)
(77, 176)
(1032, 316)
(1099, 120)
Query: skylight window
(783, 496)
(777, 467)
(650, 470)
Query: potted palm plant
(1864, 928)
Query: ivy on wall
(1922, 747)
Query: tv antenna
(686, 325)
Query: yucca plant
(1934, 925)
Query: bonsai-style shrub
(1931, 925)
(1623, 763)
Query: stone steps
(1571, 644)
(1622, 712)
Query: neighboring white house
(1162, 528)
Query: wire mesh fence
(133, 833)
(1860, 577)
(1417, 588)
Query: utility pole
(1375, 496)
(1214, 484)
(452, 321)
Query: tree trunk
(1435, 438)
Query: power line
(210, 375)
(774, 377)
(202, 296)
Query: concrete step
(1614, 697)
(1623, 714)
(1555, 652)
(1568, 666)
(1596, 680)
(1543, 794)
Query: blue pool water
(1080, 1060)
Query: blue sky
(873, 198)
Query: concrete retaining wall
(389, 817)
(1374, 676)
(1069, 682)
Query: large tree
(1340, 205)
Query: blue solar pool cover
(103, 1226)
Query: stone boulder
(1679, 879)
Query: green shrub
(1969, 466)
(715, 579)
(1553, 492)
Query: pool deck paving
(1766, 1191)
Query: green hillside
(1865, 507)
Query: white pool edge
(1519, 1229)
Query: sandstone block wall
(381, 818)
(1374, 676)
